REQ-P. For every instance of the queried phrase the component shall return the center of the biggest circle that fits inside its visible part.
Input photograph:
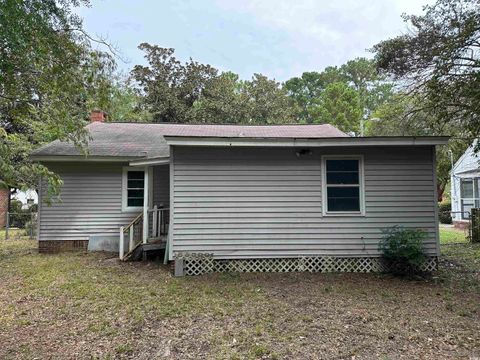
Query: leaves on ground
(81, 305)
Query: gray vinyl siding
(91, 203)
(267, 202)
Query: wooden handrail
(157, 227)
(133, 222)
(130, 230)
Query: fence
(475, 226)
(20, 225)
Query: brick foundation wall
(4, 193)
(57, 246)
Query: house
(465, 187)
(240, 198)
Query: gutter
(80, 158)
(159, 160)
(315, 142)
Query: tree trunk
(440, 192)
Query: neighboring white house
(465, 183)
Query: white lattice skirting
(197, 264)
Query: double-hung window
(343, 185)
(470, 195)
(133, 182)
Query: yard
(91, 306)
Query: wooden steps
(139, 252)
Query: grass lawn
(13, 234)
(451, 236)
(81, 305)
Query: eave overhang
(161, 160)
(80, 158)
(317, 142)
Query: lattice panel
(430, 265)
(197, 264)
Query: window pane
(342, 177)
(135, 188)
(135, 194)
(342, 192)
(342, 165)
(343, 204)
(467, 206)
(135, 175)
(135, 202)
(466, 188)
(343, 198)
(136, 184)
(342, 172)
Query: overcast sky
(278, 38)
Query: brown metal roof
(147, 140)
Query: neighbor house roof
(140, 140)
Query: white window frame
(475, 199)
(125, 207)
(361, 185)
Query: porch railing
(158, 219)
(134, 231)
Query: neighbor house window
(343, 185)
(470, 196)
(133, 189)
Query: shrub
(444, 215)
(402, 249)
(31, 228)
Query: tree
(48, 74)
(307, 90)
(170, 88)
(438, 61)
(396, 118)
(193, 92)
(340, 106)
(120, 100)
(224, 101)
(359, 75)
(267, 101)
(373, 90)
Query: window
(470, 195)
(343, 185)
(133, 189)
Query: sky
(278, 38)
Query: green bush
(31, 228)
(444, 215)
(402, 249)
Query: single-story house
(239, 197)
(465, 187)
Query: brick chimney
(98, 116)
(4, 195)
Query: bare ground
(91, 306)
